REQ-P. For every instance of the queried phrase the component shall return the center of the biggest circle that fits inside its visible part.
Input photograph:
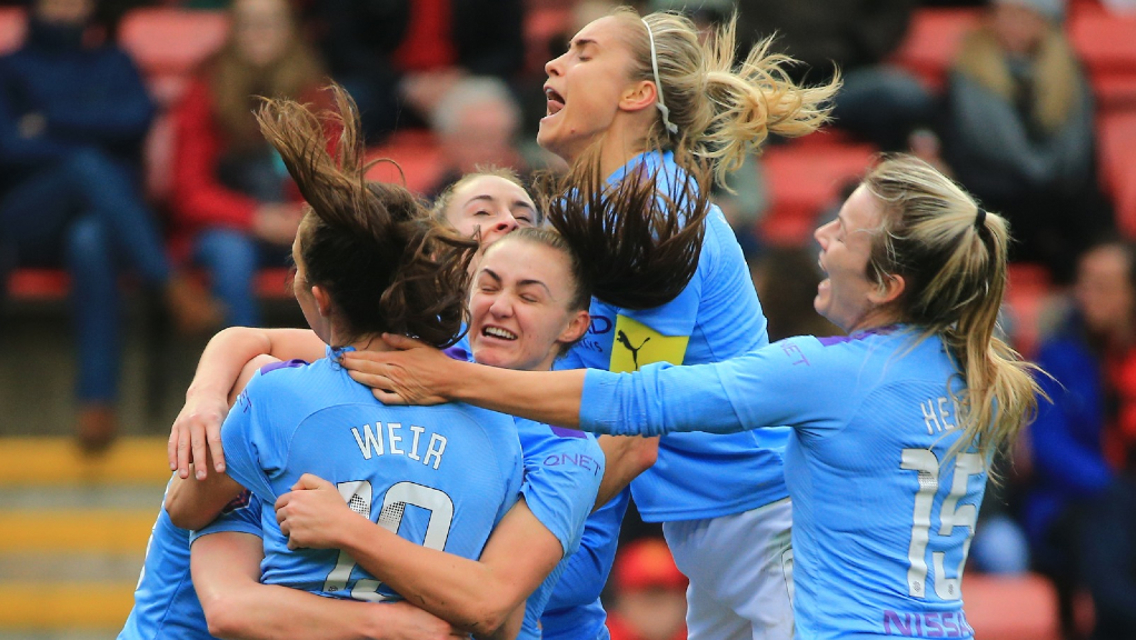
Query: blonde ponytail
(722, 112)
(953, 258)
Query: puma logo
(625, 341)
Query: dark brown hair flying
(386, 264)
(638, 238)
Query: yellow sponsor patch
(635, 344)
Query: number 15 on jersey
(951, 515)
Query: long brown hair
(639, 238)
(953, 255)
(235, 84)
(387, 265)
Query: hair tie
(980, 219)
(670, 126)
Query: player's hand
(198, 426)
(404, 621)
(416, 374)
(311, 515)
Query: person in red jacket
(234, 206)
(650, 594)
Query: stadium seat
(1011, 608)
(417, 155)
(1106, 43)
(541, 26)
(932, 41)
(13, 25)
(38, 284)
(804, 178)
(1116, 140)
(1028, 296)
(168, 44)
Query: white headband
(672, 127)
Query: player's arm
(198, 425)
(626, 457)
(226, 575)
(773, 386)
(194, 501)
(480, 595)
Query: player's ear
(577, 325)
(323, 300)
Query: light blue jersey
(574, 612)
(165, 604)
(717, 316)
(882, 517)
(438, 476)
(563, 470)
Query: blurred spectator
(786, 279)
(399, 57)
(477, 124)
(234, 206)
(1109, 560)
(1090, 399)
(1126, 7)
(72, 120)
(649, 601)
(1019, 131)
(1000, 545)
(879, 102)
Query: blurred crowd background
(140, 211)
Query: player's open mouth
(555, 101)
(498, 332)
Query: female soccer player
(528, 304)
(893, 427)
(643, 101)
(442, 478)
(225, 597)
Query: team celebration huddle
(449, 449)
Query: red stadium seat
(541, 26)
(38, 284)
(1011, 608)
(804, 178)
(168, 44)
(1116, 140)
(1028, 294)
(1106, 43)
(932, 41)
(13, 26)
(418, 156)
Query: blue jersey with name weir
(882, 515)
(717, 316)
(165, 603)
(563, 470)
(438, 476)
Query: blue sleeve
(253, 444)
(242, 515)
(123, 118)
(774, 386)
(586, 571)
(563, 470)
(1076, 462)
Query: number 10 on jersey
(358, 496)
